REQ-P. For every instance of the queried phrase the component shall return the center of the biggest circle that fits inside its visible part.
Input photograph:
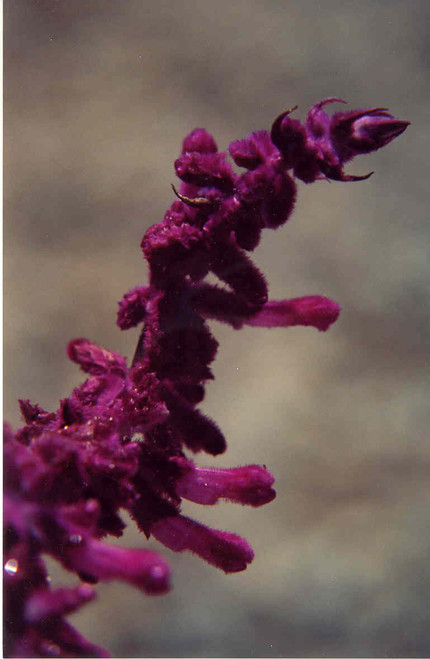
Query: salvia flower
(119, 442)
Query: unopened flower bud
(199, 140)
(362, 131)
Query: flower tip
(362, 131)
(325, 312)
(395, 128)
(374, 131)
(157, 579)
(199, 140)
(264, 496)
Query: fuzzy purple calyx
(132, 307)
(94, 359)
(252, 151)
(199, 140)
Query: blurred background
(98, 97)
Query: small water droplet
(91, 506)
(86, 592)
(111, 466)
(50, 649)
(75, 539)
(157, 572)
(48, 579)
(11, 567)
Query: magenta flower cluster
(119, 441)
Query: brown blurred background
(98, 96)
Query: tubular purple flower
(312, 310)
(226, 551)
(56, 639)
(250, 485)
(96, 560)
(44, 603)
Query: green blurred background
(98, 96)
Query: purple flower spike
(313, 310)
(119, 441)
